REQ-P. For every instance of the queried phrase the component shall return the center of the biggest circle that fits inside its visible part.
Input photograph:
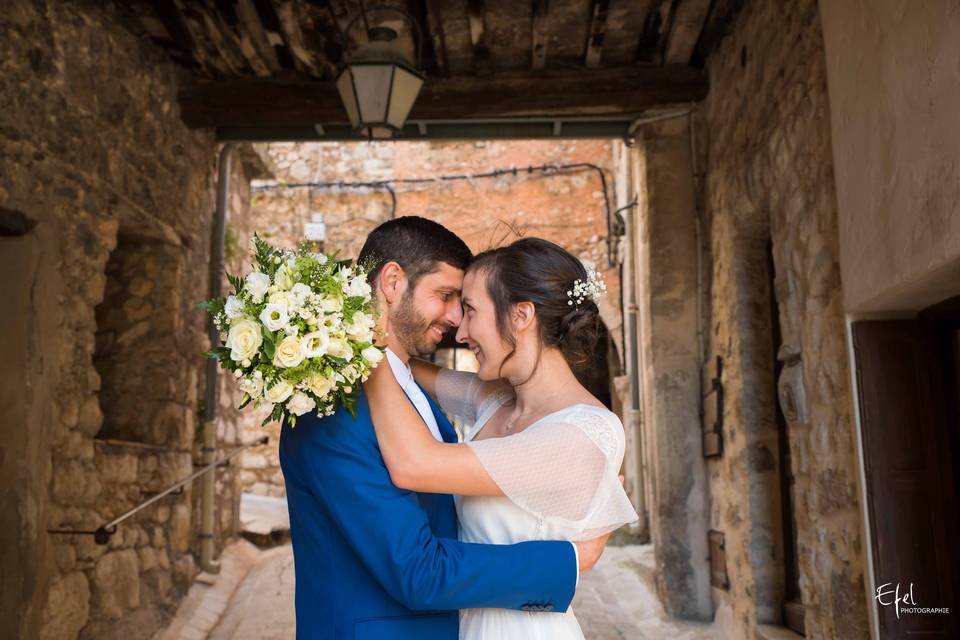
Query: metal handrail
(102, 534)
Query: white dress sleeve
(464, 394)
(564, 469)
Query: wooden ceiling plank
(276, 35)
(688, 22)
(252, 31)
(304, 50)
(548, 93)
(434, 27)
(598, 25)
(481, 54)
(539, 36)
(173, 22)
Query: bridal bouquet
(297, 332)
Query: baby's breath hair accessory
(593, 287)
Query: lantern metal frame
(398, 61)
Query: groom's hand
(589, 551)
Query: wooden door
(909, 481)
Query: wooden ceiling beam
(427, 13)
(598, 24)
(540, 36)
(599, 92)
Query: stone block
(91, 417)
(67, 607)
(117, 467)
(179, 528)
(116, 582)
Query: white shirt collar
(401, 369)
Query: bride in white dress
(541, 456)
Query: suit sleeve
(390, 532)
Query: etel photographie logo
(905, 602)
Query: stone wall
(105, 379)
(567, 209)
(894, 97)
(769, 176)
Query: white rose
(372, 355)
(340, 348)
(359, 287)
(233, 308)
(244, 339)
(285, 299)
(314, 344)
(320, 385)
(256, 285)
(300, 404)
(253, 387)
(319, 257)
(278, 392)
(288, 353)
(331, 305)
(274, 316)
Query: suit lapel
(447, 432)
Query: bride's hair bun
(539, 271)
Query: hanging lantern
(378, 83)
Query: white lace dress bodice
(559, 477)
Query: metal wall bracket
(713, 414)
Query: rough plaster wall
(667, 297)
(769, 174)
(894, 98)
(567, 209)
(94, 151)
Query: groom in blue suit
(374, 562)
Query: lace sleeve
(459, 393)
(565, 469)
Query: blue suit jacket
(376, 562)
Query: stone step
(264, 520)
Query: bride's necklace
(510, 424)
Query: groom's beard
(410, 328)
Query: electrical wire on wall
(614, 222)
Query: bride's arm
(425, 373)
(416, 460)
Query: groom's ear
(392, 281)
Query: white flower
(301, 292)
(233, 308)
(314, 344)
(372, 355)
(274, 316)
(358, 287)
(288, 353)
(319, 385)
(256, 285)
(283, 278)
(287, 299)
(340, 348)
(331, 305)
(300, 404)
(278, 392)
(360, 327)
(253, 387)
(244, 339)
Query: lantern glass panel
(406, 86)
(373, 83)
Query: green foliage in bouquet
(297, 332)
